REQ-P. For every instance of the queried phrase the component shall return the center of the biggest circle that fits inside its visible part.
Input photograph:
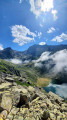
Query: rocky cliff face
(28, 103)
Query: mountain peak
(8, 48)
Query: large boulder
(31, 89)
(38, 93)
(5, 102)
(19, 96)
(15, 96)
(8, 100)
(55, 98)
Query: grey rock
(9, 79)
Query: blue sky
(27, 22)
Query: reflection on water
(60, 90)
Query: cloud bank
(17, 61)
(60, 61)
(57, 59)
(26, 61)
(14, 61)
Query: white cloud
(51, 30)
(39, 34)
(17, 61)
(1, 47)
(42, 6)
(26, 61)
(54, 12)
(60, 38)
(38, 65)
(14, 61)
(20, 1)
(57, 59)
(41, 25)
(44, 56)
(39, 6)
(22, 34)
(33, 8)
(42, 43)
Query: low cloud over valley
(56, 62)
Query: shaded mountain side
(8, 68)
(8, 53)
(60, 78)
(19, 70)
(31, 53)
(37, 50)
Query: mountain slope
(5, 67)
(37, 50)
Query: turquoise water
(60, 90)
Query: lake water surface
(60, 90)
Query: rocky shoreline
(28, 103)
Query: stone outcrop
(12, 79)
(30, 103)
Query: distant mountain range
(31, 53)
